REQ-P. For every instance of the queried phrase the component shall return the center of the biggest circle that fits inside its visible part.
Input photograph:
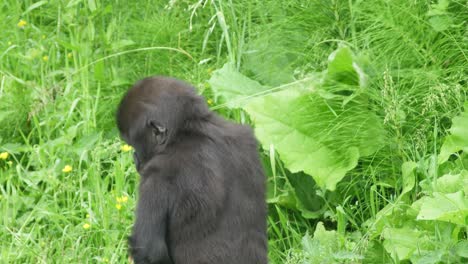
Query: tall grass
(63, 70)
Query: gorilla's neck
(208, 126)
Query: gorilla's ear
(157, 127)
(159, 131)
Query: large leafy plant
(433, 228)
(320, 126)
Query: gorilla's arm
(148, 241)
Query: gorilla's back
(236, 231)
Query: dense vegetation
(359, 106)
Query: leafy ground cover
(360, 108)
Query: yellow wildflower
(122, 199)
(118, 206)
(22, 23)
(86, 226)
(45, 58)
(210, 101)
(4, 155)
(126, 148)
(69, 55)
(67, 169)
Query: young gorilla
(202, 185)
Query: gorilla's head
(153, 113)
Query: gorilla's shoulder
(160, 164)
(242, 134)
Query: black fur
(202, 189)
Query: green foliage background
(360, 108)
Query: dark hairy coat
(202, 188)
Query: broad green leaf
(92, 5)
(440, 8)
(448, 183)
(428, 257)
(458, 138)
(314, 135)
(308, 202)
(401, 242)
(268, 60)
(376, 253)
(452, 207)
(66, 138)
(33, 178)
(322, 135)
(233, 86)
(340, 68)
(462, 248)
(441, 22)
(439, 17)
(395, 214)
(408, 176)
(451, 183)
(320, 248)
(343, 76)
(286, 199)
(327, 247)
(85, 144)
(441, 5)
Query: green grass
(63, 72)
